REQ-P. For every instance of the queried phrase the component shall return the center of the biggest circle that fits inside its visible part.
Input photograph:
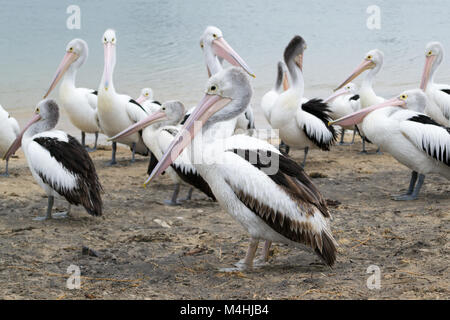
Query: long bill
(359, 116)
(107, 71)
(426, 72)
(67, 60)
(336, 94)
(18, 142)
(365, 65)
(154, 117)
(209, 105)
(222, 49)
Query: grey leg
(133, 154)
(113, 156)
(247, 262)
(284, 147)
(173, 201)
(51, 199)
(354, 134)
(363, 151)
(342, 137)
(95, 144)
(189, 195)
(6, 173)
(264, 258)
(83, 139)
(304, 159)
(415, 192)
(62, 215)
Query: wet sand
(137, 256)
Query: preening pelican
(301, 125)
(266, 192)
(400, 128)
(117, 112)
(79, 103)
(438, 102)
(158, 131)
(373, 62)
(9, 130)
(58, 162)
(342, 103)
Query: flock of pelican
(211, 147)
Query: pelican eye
(403, 96)
(430, 53)
(213, 88)
(369, 57)
(214, 36)
(201, 45)
(163, 109)
(113, 39)
(70, 49)
(104, 39)
(146, 94)
(37, 110)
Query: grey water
(158, 43)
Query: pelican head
(434, 53)
(294, 51)
(373, 60)
(146, 94)
(212, 40)
(109, 47)
(45, 117)
(76, 55)
(349, 88)
(226, 96)
(170, 113)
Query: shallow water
(158, 43)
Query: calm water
(158, 43)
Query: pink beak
(68, 59)
(108, 53)
(359, 116)
(338, 93)
(222, 49)
(155, 117)
(365, 65)
(426, 72)
(209, 105)
(18, 142)
(141, 99)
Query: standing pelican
(215, 50)
(158, 131)
(438, 102)
(79, 103)
(58, 162)
(117, 112)
(411, 137)
(373, 62)
(344, 102)
(9, 130)
(266, 192)
(301, 125)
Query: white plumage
(9, 130)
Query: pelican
(266, 192)
(146, 98)
(302, 125)
(117, 112)
(373, 62)
(58, 162)
(400, 128)
(438, 102)
(79, 103)
(344, 102)
(158, 131)
(215, 50)
(9, 130)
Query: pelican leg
(62, 215)
(95, 144)
(354, 134)
(413, 195)
(378, 151)
(363, 151)
(133, 152)
(83, 139)
(264, 258)
(6, 173)
(51, 200)
(189, 195)
(247, 262)
(304, 159)
(173, 201)
(342, 137)
(283, 147)
(113, 155)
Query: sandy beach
(143, 249)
